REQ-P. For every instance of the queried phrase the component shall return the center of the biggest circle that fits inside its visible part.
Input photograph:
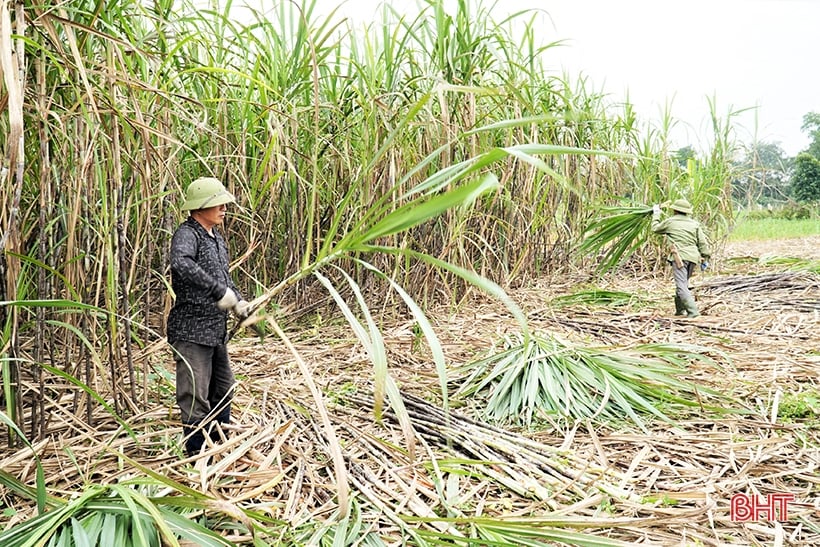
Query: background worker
(197, 323)
(690, 247)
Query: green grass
(800, 406)
(774, 228)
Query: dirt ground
(806, 247)
(763, 319)
(761, 323)
(670, 485)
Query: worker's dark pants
(205, 385)
(682, 276)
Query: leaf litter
(671, 485)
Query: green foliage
(616, 235)
(595, 297)
(684, 155)
(417, 337)
(337, 532)
(794, 264)
(542, 376)
(663, 501)
(811, 125)
(773, 228)
(339, 395)
(39, 494)
(806, 178)
(789, 211)
(407, 148)
(804, 405)
(115, 516)
(762, 176)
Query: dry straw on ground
(669, 486)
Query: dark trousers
(205, 386)
(684, 301)
(682, 276)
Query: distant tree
(683, 155)
(805, 181)
(811, 125)
(806, 178)
(764, 174)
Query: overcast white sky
(745, 53)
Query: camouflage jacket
(687, 235)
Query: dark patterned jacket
(199, 277)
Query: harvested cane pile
(671, 485)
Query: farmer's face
(211, 216)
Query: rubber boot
(691, 307)
(224, 415)
(223, 418)
(216, 432)
(213, 434)
(679, 307)
(194, 439)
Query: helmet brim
(222, 197)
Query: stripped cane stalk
(342, 485)
(38, 422)
(12, 66)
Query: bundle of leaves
(793, 263)
(616, 235)
(117, 514)
(595, 297)
(541, 376)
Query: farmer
(690, 247)
(197, 323)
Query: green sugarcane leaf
(426, 328)
(377, 351)
(414, 213)
(546, 375)
(79, 535)
(108, 532)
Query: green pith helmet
(206, 192)
(681, 206)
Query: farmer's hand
(656, 210)
(242, 309)
(704, 265)
(228, 301)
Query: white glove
(228, 301)
(656, 210)
(242, 309)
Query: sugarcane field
(282, 279)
